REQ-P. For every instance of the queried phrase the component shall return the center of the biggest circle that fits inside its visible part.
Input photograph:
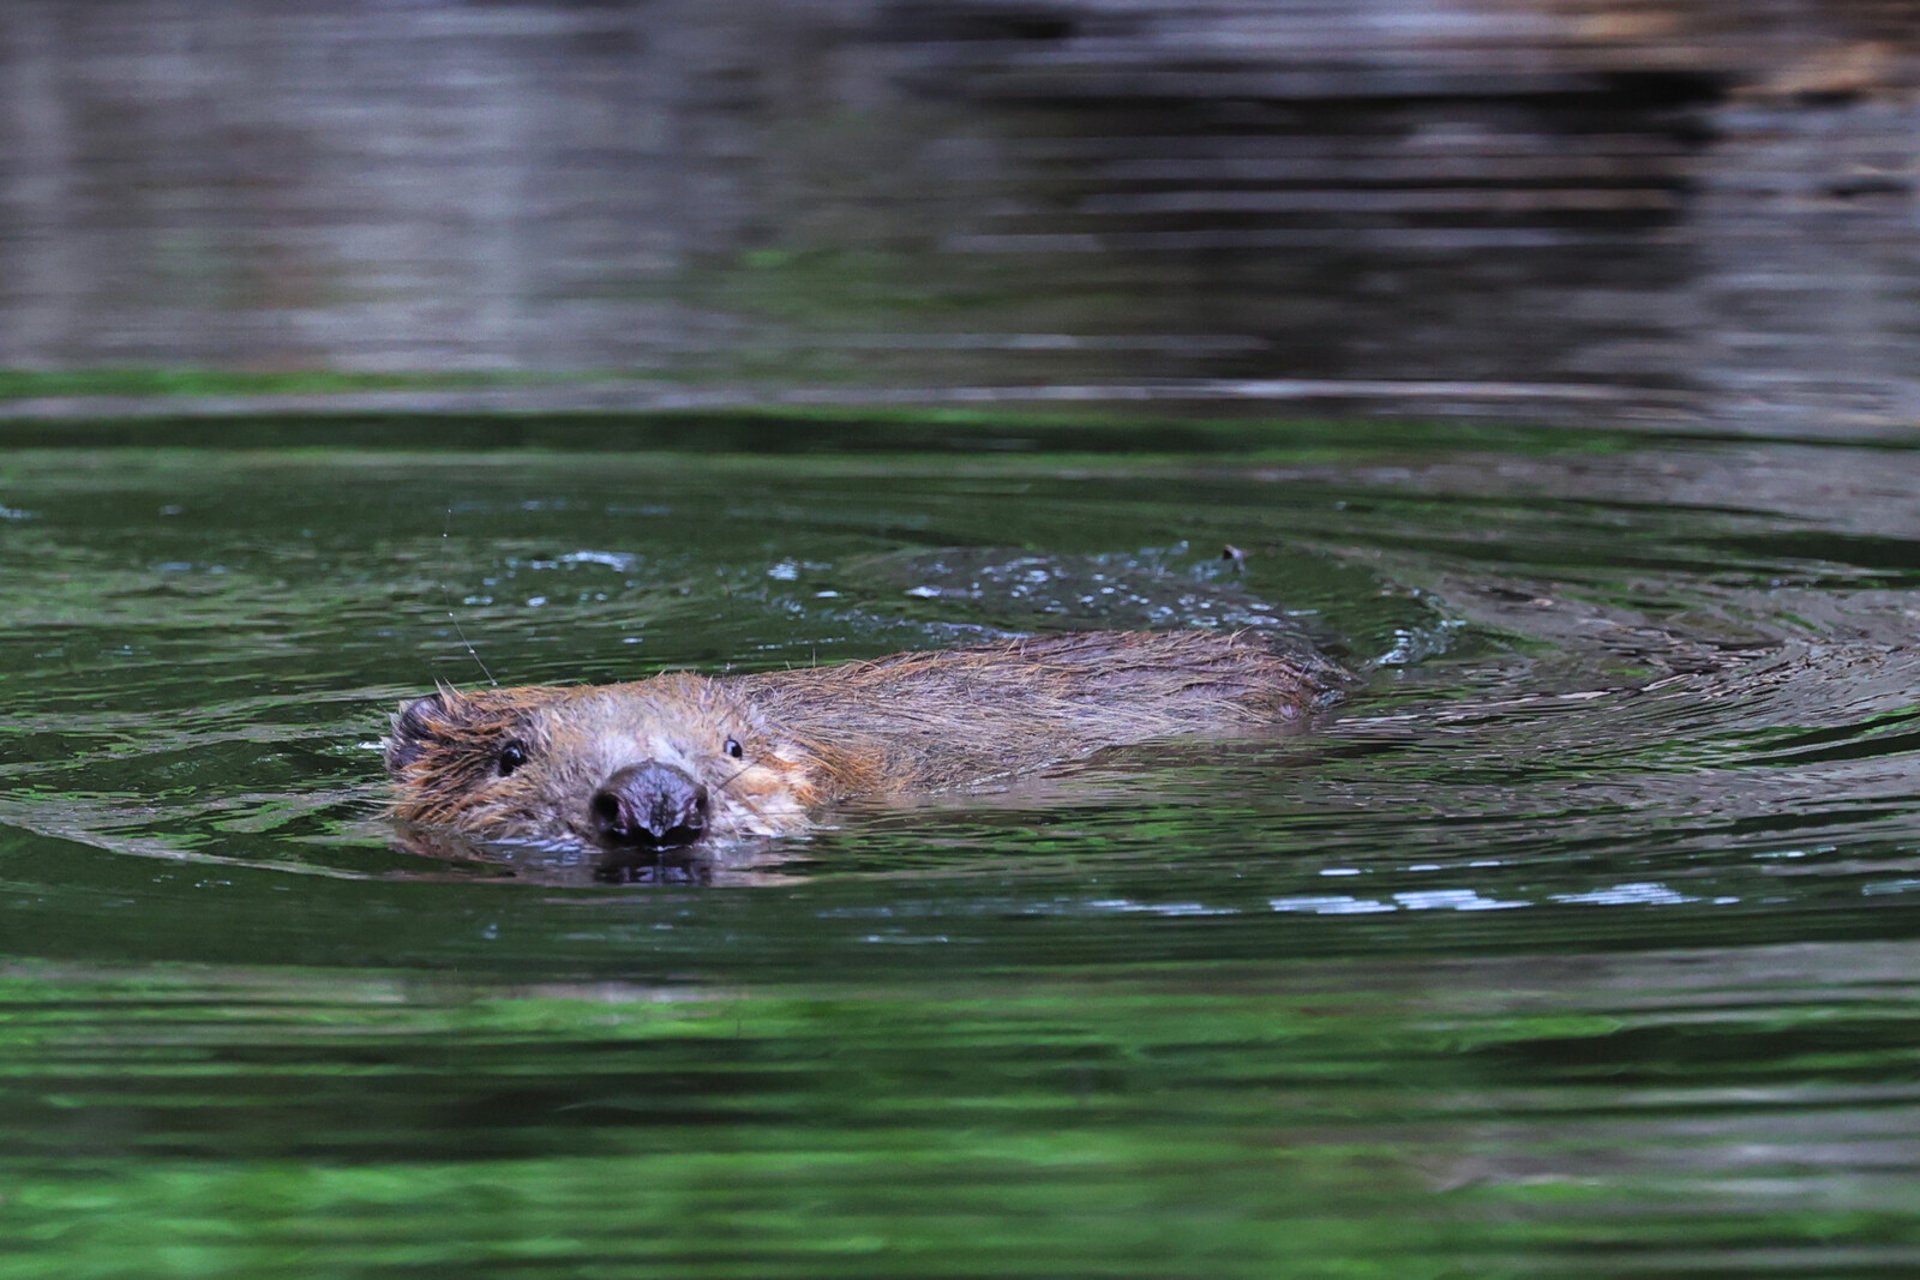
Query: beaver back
(920, 721)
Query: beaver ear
(420, 725)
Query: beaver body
(681, 758)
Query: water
(1579, 942)
(1700, 215)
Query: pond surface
(1580, 940)
(1515, 208)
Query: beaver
(680, 759)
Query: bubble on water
(1635, 893)
(1173, 909)
(1454, 900)
(1414, 644)
(619, 561)
(1331, 905)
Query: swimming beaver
(679, 758)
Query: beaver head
(653, 764)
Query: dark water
(1702, 211)
(1580, 943)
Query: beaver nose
(650, 804)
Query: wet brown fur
(912, 722)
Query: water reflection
(1662, 1113)
(1525, 210)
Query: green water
(1580, 942)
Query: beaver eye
(511, 757)
(734, 749)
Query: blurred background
(1672, 212)
(1551, 363)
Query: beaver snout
(652, 805)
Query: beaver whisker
(446, 593)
